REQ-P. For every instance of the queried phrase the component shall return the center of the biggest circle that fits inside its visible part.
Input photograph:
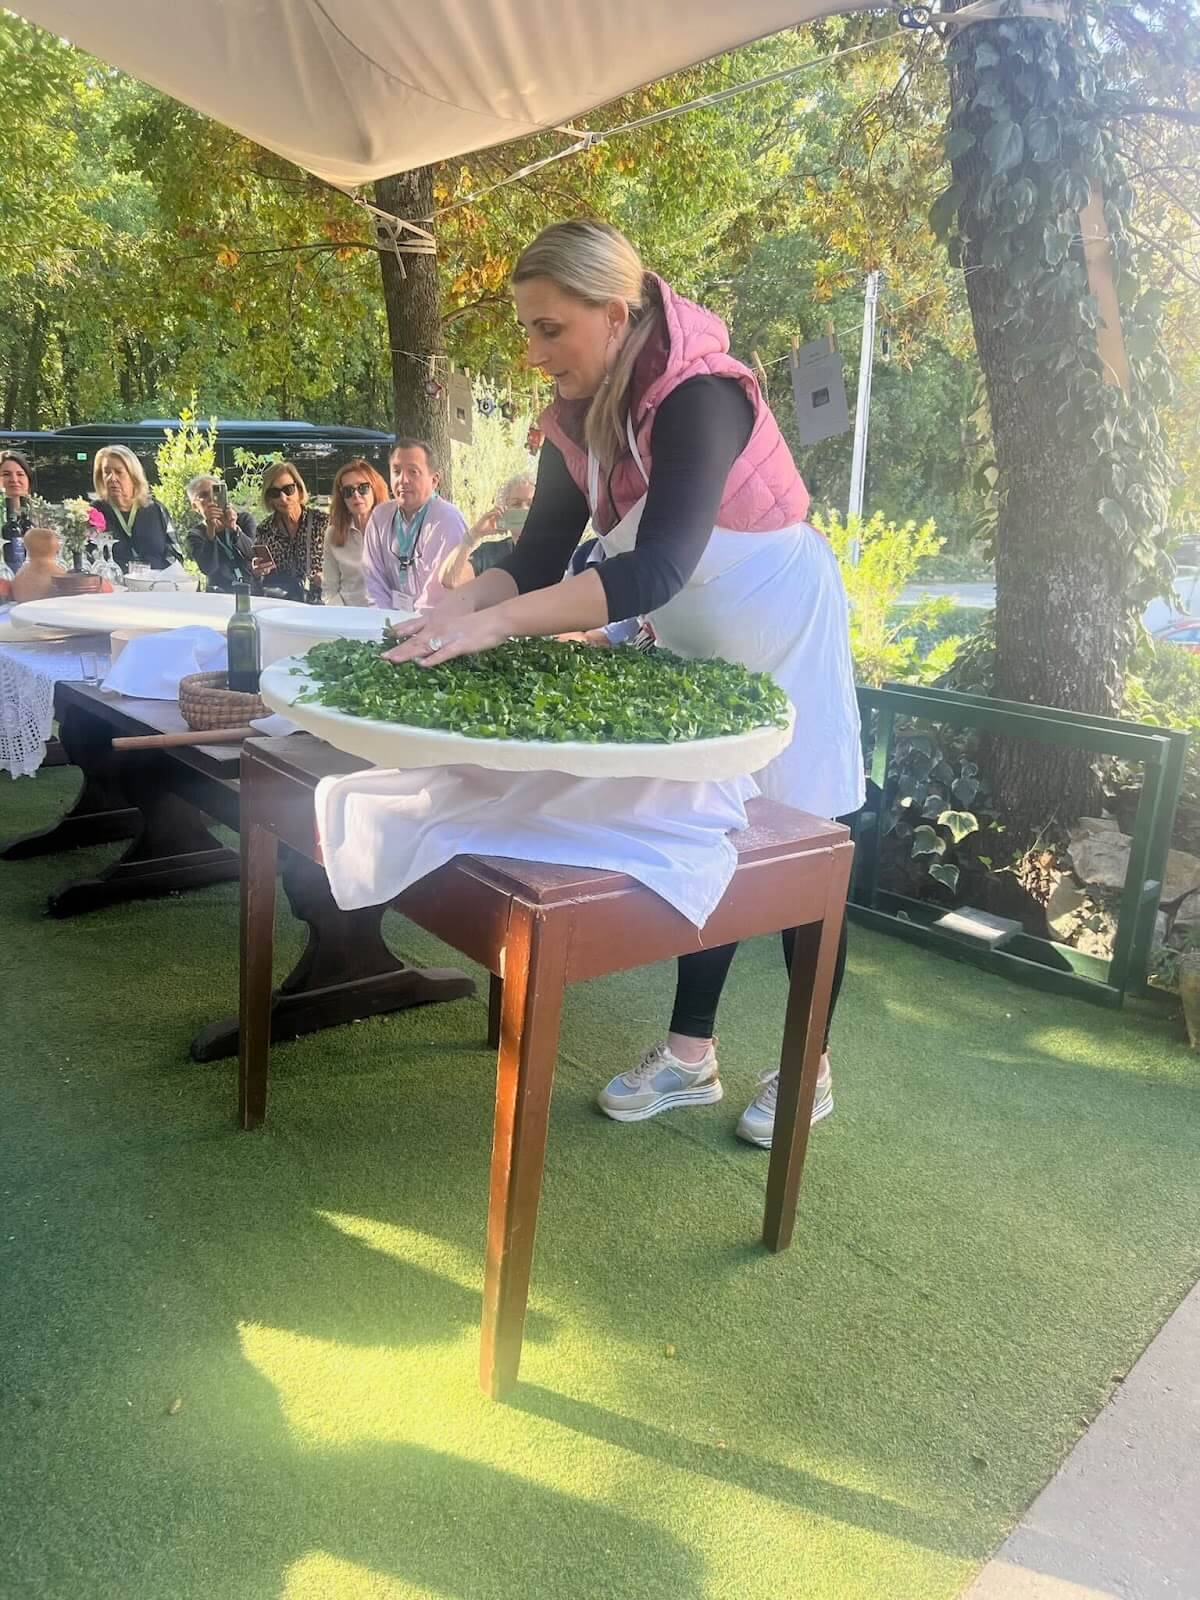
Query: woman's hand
(486, 528)
(450, 629)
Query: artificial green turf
(1000, 1213)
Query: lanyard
(405, 536)
(127, 525)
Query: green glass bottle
(245, 657)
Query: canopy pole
(862, 413)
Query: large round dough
(395, 744)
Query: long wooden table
(536, 929)
(163, 803)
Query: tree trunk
(412, 297)
(12, 384)
(32, 386)
(70, 372)
(1060, 580)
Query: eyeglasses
(277, 489)
(349, 490)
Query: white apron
(775, 602)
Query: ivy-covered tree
(1083, 477)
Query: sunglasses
(277, 489)
(349, 490)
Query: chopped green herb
(549, 690)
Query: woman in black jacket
(138, 525)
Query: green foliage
(185, 453)
(887, 640)
(246, 493)
(1028, 148)
(496, 453)
(550, 690)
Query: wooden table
(162, 802)
(536, 929)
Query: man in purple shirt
(409, 540)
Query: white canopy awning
(354, 89)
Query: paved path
(1120, 1520)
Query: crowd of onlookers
(392, 545)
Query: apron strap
(634, 451)
(593, 466)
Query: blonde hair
(596, 263)
(118, 452)
(274, 472)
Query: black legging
(702, 977)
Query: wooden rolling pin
(167, 741)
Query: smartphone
(262, 553)
(221, 495)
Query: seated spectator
(15, 476)
(411, 538)
(222, 542)
(357, 490)
(289, 546)
(140, 527)
(495, 535)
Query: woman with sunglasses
(289, 546)
(357, 490)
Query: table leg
(101, 813)
(535, 965)
(259, 852)
(495, 1010)
(346, 971)
(173, 849)
(813, 961)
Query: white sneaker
(659, 1082)
(757, 1123)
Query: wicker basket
(205, 703)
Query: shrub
(184, 454)
(884, 645)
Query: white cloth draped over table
(150, 668)
(28, 673)
(382, 830)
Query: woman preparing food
(665, 441)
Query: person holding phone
(289, 545)
(496, 533)
(221, 543)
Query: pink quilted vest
(763, 493)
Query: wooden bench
(537, 929)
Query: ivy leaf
(943, 213)
(1055, 243)
(957, 142)
(1045, 138)
(959, 823)
(1004, 145)
(986, 55)
(945, 872)
(1114, 514)
(926, 843)
(965, 790)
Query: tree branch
(1144, 108)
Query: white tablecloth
(383, 830)
(28, 673)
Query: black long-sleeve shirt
(700, 430)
